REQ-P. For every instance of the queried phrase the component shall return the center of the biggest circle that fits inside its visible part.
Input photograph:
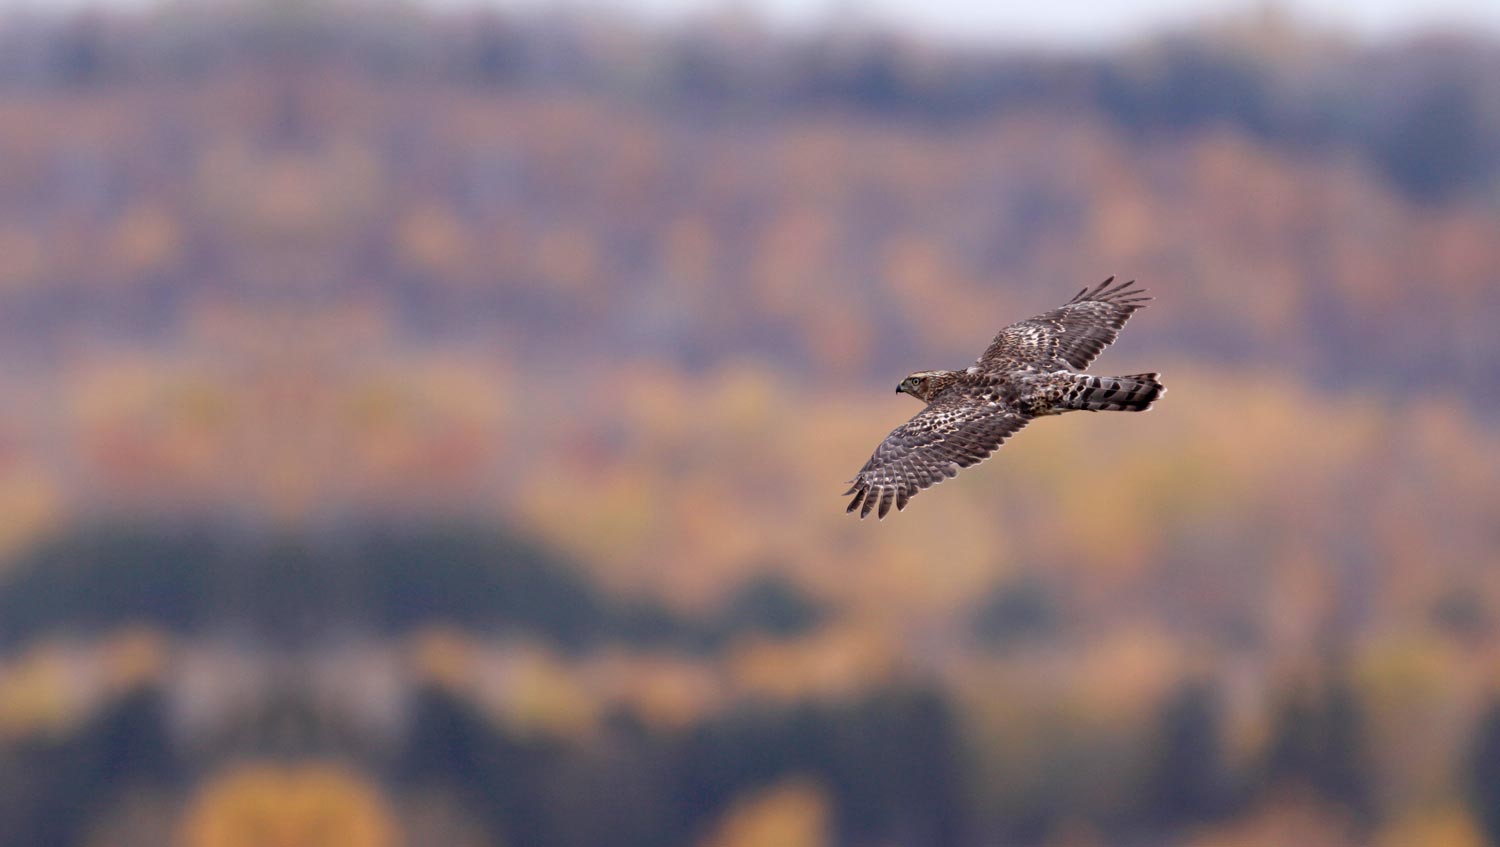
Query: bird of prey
(1032, 368)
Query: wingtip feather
(854, 504)
(1115, 291)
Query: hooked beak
(898, 390)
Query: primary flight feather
(1032, 368)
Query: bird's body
(1032, 369)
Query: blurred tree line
(718, 193)
(1423, 113)
(298, 589)
(300, 265)
(900, 761)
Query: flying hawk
(1032, 368)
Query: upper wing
(930, 448)
(1075, 332)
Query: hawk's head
(923, 385)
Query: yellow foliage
(540, 695)
(792, 814)
(39, 694)
(1125, 676)
(54, 685)
(1417, 694)
(271, 805)
(666, 691)
(840, 661)
(1448, 826)
(1281, 823)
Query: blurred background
(425, 425)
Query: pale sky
(1046, 22)
(1066, 22)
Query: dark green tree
(1484, 775)
(1189, 779)
(1319, 742)
(1344, 772)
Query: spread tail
(1132, 393)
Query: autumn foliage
(427, 427)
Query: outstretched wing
(1075, 332)
(930, 448)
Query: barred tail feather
(1132, 393)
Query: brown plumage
(1031, 369)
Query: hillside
(447, 412)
